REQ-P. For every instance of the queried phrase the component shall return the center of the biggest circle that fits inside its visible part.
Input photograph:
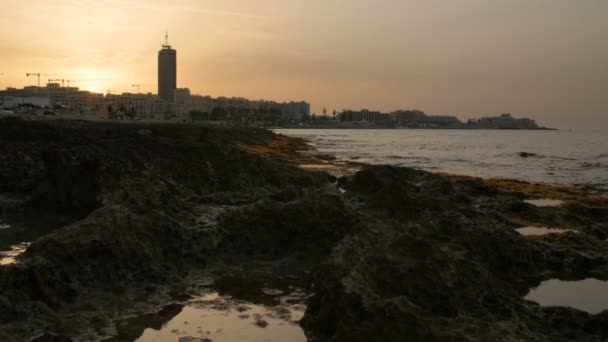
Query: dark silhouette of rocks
(397, 255)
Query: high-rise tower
(167, 71)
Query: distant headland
(413, 119)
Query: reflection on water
(535, 231)
(223, 318)
(588, 295)
(4, 225)
(545, 202)
(8, 257)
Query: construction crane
(34, 74)
(136, 85)
(68, 82)
(58, 80)
(37, 74)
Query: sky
(544, 59)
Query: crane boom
(34, 74)
(136, 85)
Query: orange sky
(547, 59)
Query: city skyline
(544, 59)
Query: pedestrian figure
(110, 112)
(132, 112)
(121, 112)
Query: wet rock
(194, 339)
(376, 284)
(11, 205)
(397, 191)
(260, 322)
(527, 154)
(144, 132)
(475, 187)
(270, 230)
(132, 328)
(242, 308)
(136, 223)
(250, 286)
(52, 338)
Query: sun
(94, 86)
(92, 80)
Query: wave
(460, 160)
(525, 154)
(590, 165)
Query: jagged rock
(401, 255)
(52, 338)
(135, 199)
(434, 272)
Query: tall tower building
(167, 71)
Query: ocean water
(555, 157)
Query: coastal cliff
(388, 254)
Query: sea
(563, 157)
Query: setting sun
(91, 80)
(94, 86)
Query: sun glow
(92, 80)
(92, 86)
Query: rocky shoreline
(149, 212)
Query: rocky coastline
(140, 217)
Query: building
(181, 95)
(33, 96)
(202, 104)
(504, 121)
(443, 121)
(167, 72)
(412, 118)
(67, 99)
(295, 111)
(146, 106)
(366, 116)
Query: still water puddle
(588, 295)
(545, 202)
(4, 225)
(222, 318)
(536, 231)
(8, 257)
